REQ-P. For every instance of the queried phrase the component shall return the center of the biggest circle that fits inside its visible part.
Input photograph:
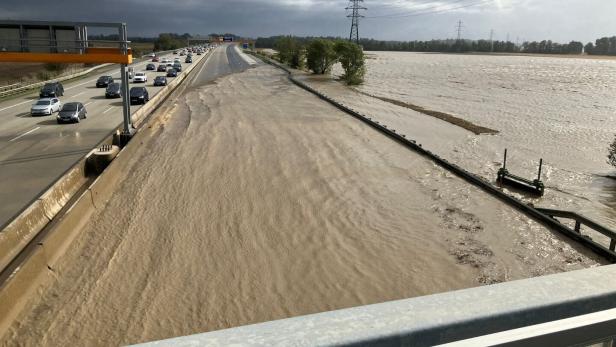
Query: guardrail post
(578, 225)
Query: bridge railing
(576, 307)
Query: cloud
(559, 20)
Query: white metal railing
(574, 308)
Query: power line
(433, 10)
(355, 6)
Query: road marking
(107, 110)
(88, 103)
(24, 134)
(21, 103)
(76, 95)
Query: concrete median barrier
(33, 219)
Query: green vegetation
(169, 41)
(351, 57)
(602, 46)
(321, 56)
(290, 51)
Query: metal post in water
(540, 165)
(505, 160)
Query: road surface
(35, 151)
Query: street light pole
(127, 131)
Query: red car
(155, 60)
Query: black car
(150, 67)
(160, 81)
(172, 73)
(188, 60)
(104, 81)
(72, 112)
(139, 95)
(177, 66)
(52, 90)
(162, 68)
(114, 90)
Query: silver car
(45, 107)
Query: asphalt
(36, 151)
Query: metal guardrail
(21, 89)
(469, 177)
(10, 86)
(40, 84)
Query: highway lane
(224, 61)
(35, 151)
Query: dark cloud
(559, 20)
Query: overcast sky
(559, 20)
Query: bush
(321, 56)
(351, 56)
(611, 157)
(290, 51)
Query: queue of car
(74, 112)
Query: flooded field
(252, 200)
(562, 110)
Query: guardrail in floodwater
(476, 180)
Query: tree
(321, 56)
(290, 51)
(589, 48)
(351, 56)
(611, 157)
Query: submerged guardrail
(469, 177)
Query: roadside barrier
(20, 89)
(31, 244)
(469, 177)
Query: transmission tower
(355, 6)
(459, 29)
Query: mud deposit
(257, 201)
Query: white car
(45, 107)
(140, 77)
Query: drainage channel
(530, 211)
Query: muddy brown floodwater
(254, 200)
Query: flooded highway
(251, 200)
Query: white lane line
(88, 103)
(76, 95)
(107, 110)
(24, 134)
(21, 103)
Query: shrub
(351, 56)
(321, 56)
(290, 51)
